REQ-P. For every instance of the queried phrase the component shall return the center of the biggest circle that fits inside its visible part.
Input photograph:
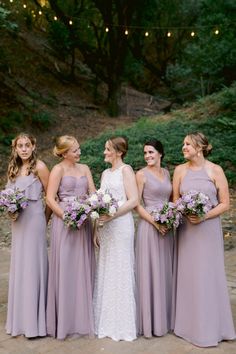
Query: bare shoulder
(214, 169)
(83, 167)
(180, 169)
(127, 169)
(40, 165)
(57, 169)
(140, 176)
(140, 173)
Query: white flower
(100, 191)
(112, 210)
(106, 198)
(94, 215)
(93, 198)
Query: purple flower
(12, 200)
(76, 212)
(168, 214)
(194, 202)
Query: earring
(198, 154)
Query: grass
(215, 116)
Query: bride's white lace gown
(114, 299)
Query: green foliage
(227, 99)
(42, 119)
(12, 120)
(209, 60)
(59, 38)
(4, 22)
(9, 125)
(220, 130)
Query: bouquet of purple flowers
(102, 202)
(12, 200)
(167, 214)
(76, 212)
(193, 202)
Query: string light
(169, 33)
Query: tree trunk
(114, 92)
(72, 65)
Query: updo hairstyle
(200, 141)
(63, 144)
(119, 144)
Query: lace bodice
(113, 181)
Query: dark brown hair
(157, 145)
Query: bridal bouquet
(102, 202)
(167, 214)
(76, 212)
(12, 200)
(193, 202)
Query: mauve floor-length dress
(71, 270)
(26, 312)
(203, 315)
(154, 255)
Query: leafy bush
(11, 121)
(220, 130)
(42, 119)
(59, 39)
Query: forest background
(93, 68)
(89, 66)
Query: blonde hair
(199, 140)
(15, 162)
(63, 144)
(119, 144)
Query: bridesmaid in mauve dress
(71, 260)
(26, 314)
(203, 314)
(154, 247)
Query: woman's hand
(13, 216)
(96, 240)
(95, 235)
(103, 219)
(162, 229)
(194, 219)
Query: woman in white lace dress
(114, 298)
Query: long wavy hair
(15, 162)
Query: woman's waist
(68, 198)
(152, 206)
